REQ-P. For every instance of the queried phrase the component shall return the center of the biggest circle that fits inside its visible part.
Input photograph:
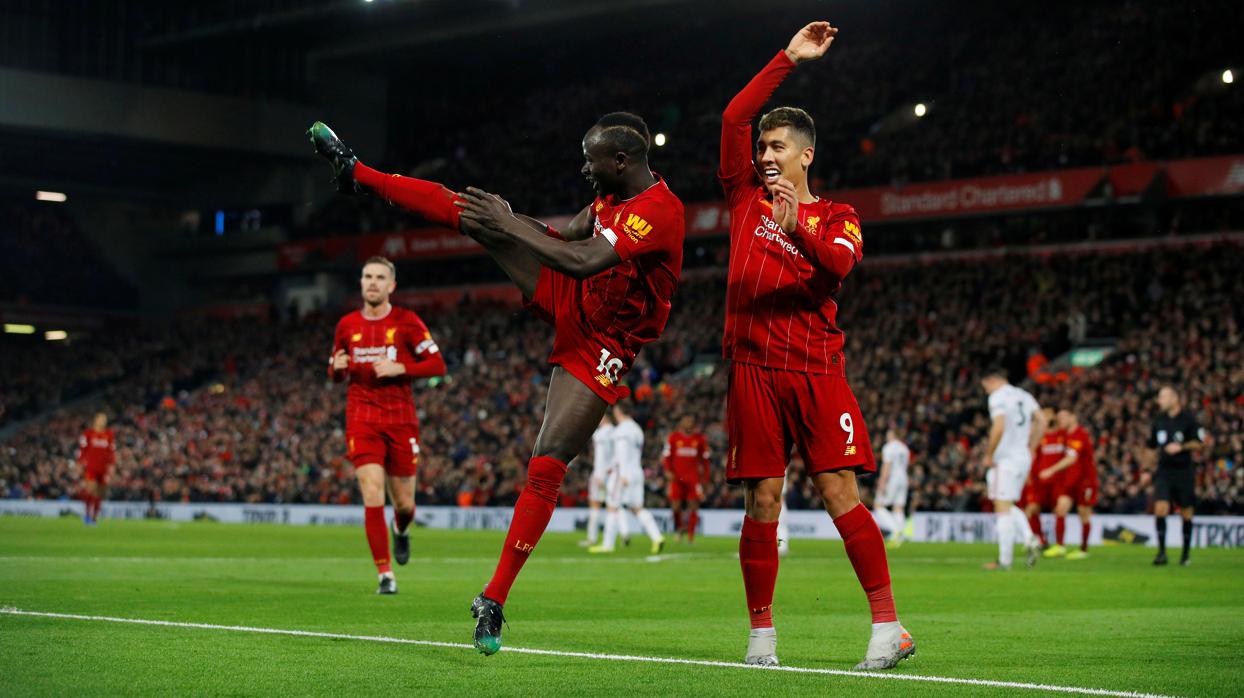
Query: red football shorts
(393, 446)
(94, 474)
(1045, 493)
(1086, 494)
(769, 410)
(683, 491)
(599, 362)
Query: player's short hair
(793, 118)
(624, 139)
(377, 259)
(628, 119)
(994, 371)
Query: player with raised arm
(604, 284)
(685, 458)
(1016, 427)
(625, 489)
(602, 449)
(97, 453)
(789, 253)
(890, 503)
(380, 349)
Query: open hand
(484, 209)
(811, 42)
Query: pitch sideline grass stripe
(593, 655)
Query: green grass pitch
(1109, 622)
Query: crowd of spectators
(1007, 89)
(242, 410)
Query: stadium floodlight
(1227, 76)
(921, 110)
(659, 139)
(55, 335)
(57, 196)
(13, 328)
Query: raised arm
(809, 43)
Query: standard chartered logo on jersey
(370, 355)
(770, 230)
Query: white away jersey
(1018, 406)
(898, 456)
(602, 450)
(628, 448)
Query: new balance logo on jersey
(356, 337)
(850, 451)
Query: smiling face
(782, 154)
(600, 166)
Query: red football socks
(428, 199)
(377, 537)
(531, 516)
(402, 519)
(1086, 527)
(1034, 522)
(677, 519)
(1060, 529)
(866, 550)
(693, 520)
(758, 556)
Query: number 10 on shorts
(609, 365)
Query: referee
(1175, 435)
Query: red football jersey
(97, 450)
(1085, 468)
(399, 336)
(686, 455)
(780, 309)
(1049, 452)
(630, 301)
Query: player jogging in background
(685, 458)
(604, 284)
(1175, 435)
(1017, 425)
(602, 450)
(1080, 479)
(1042, 494)
(789, 253)
(380, 349)
(890, 504)
(625, 484)
(97, 453)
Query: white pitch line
(593, 655)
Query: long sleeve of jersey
(736, 122)
(836, 251)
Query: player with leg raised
(789, 253)
(604, 284)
